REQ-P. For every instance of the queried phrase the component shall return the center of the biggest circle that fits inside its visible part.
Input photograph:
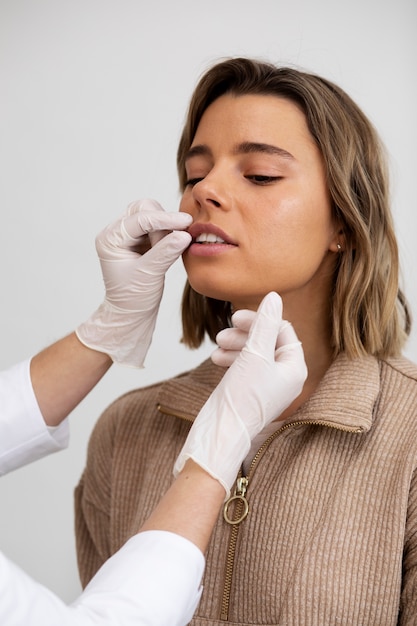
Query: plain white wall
(94, 93)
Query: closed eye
(259, 179)
(193, 181)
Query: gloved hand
(259, 385)
(123, 325)
(230, 341)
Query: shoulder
(125, 413)
(196, 382)
(140, 408)
(398, 390)
(402, 369)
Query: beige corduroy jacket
(331, 534)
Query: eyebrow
(246, 147)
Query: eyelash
(192, 181)
(257, 179)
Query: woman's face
(258, 196)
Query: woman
(286, 182)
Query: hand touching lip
(208, 240)
(206, 233)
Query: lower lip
(209, 249)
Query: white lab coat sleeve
(154, 580)
(24, 436)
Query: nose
(212, 191)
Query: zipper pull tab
(241, 508)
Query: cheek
(186, 206)
(288, 240)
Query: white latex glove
(123, 325)
(230, 341)
(259, 385)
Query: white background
(93, 96)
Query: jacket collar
(184, 395)
(345, 397)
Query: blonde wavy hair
(369, 312)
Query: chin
(238, 299)
(208, 282)
(213, 293)
(210, 290)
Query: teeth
(209, 238)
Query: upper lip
(198, 228)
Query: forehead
(233, 119)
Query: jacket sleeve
(93, 502)
(24, 436)
(127, 590)
(408, 609)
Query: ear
(338, 242)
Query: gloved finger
(149, 237)
(154, 223)
(224, 358)
(291, 361)
(172, 221)
(161, 256)
(243, 319)
(231, 341)
(130, 231)
(265, 328)
(231, 338)
(290, 352)
(286, 337)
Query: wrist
(218, 443)
(100, 356)
(123, 335)
(194, 473)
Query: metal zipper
(241, 504)
(241, 508)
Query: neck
(314, 332)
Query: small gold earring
(339, 247)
